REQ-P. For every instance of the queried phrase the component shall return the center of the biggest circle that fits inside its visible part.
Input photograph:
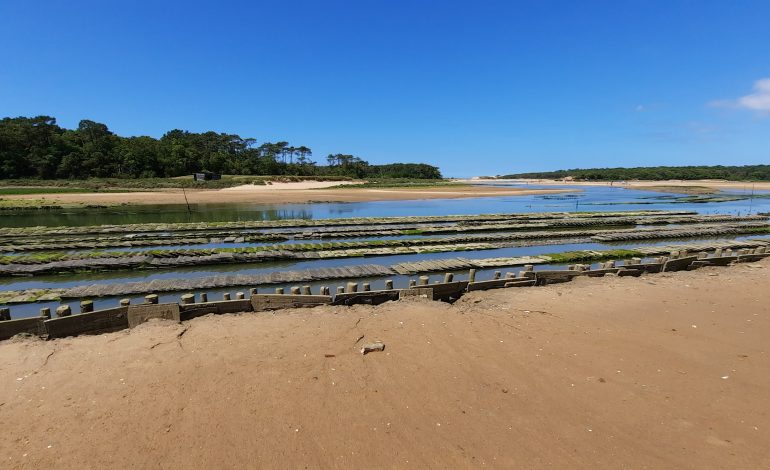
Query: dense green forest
(731, 173)
(39, 148)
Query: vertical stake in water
(751, 199)
(186, 201)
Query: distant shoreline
(674, 186)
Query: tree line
(38, 147)
(730, 173)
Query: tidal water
(588, 198)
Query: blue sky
(475, 87)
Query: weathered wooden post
(412, 283)
(325, 290)
(226, 296)
(497, 274)
(279, 290)
(306, 290)
(424, 280)
(389, 284)
(472, 275)
(240, 295)
(45, 312)
(63, 311)
(204, 297)
(340, 290)
(295, 290)
(529, 268)
(86, 306)
(5, 313)
(253, 291)
(352, 287)
(188, 299)
(151, 298)
(125, 302)
(449, 277)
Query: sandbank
(276, 193)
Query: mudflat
(662, 371)
(278, 193)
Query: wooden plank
(374, 297)
(11, 328)
(752, 257)
(416, 292)
(138, 314)
(500, 283)
(717, 261)
(679, 264)
(627, 272)
(646, 267)
(599, 272)
(100, 321)
(262, 302)
(190, 311)
(503, 262)
(555, 276)
(446, 290)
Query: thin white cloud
(647, 107)
(758, 101)
(701, 128)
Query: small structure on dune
(206, 176)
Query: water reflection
(587, 198)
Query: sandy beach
(662, 371)
(294, 192)
(323, 191)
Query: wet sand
(664, 371)
(278, 193)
